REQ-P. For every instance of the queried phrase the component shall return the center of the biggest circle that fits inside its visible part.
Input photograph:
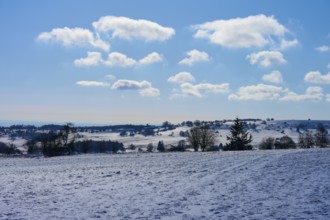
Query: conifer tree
(239, 139)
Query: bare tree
(207, 137)
(194, 137)
(201, 136)
(321, 136)
(306, 140)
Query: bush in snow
(180, 147)
(8, 149)
(161, 147)
(321, 136)
(267, 144)
(306, 139)
(285, 142)
(150, 147)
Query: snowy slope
(292, 184)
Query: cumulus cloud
(253, 31)
(199, 90)
(150, 92)
(328, 97)
(119, 59)
(257, 92)
(182, 77)
(266, 58)
(317, 77)
(262, 92)
(92, 83)
(286, 44)
(144, 87)
(110, 77)
(127, 28)
(195, 56)
(73, 37)
(323, 49)
(92, 59)
(273, 77)
(311, 94)
(153, 57)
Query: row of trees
(319, 138)
(204, 138)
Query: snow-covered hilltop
(139, 136)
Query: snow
(278, 184)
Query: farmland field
(283, 184)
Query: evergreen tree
(239, 139)
(161, 147)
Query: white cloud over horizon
(262, 92)
(73, 37)
(127, 28)
(181, 77)
(252, 31)
(144, 87)
(257, 92)
(200, 90)
(195, 56)
(317, 77)
(311, 94)
(93, 84)
(266, 58)
(273, 77)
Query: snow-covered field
(289, 184)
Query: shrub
(285, 142)
(150, 147)
(267, 144)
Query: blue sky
(107, 62)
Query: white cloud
(311, 94)
(199, 90)
(110, 77)
(257, 92)
(153, 57)
(317, 77)
(266, 58)
(119, 59)
(328, 97)
(92, 59)
(195, 56)
(150, 92)
(127, 28)
(144, 87)
(253, 31)
(323, 48)
(182, 77)
(268, 92)
(92, 83)
(73, 37)
(328, 66)
(286, 44)
(274, 77)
